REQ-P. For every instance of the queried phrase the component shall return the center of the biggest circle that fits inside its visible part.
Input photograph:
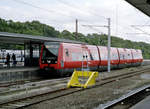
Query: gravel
(93, 97)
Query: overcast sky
(61, 14)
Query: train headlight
(48, 61)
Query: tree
(39, 29)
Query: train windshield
(50, 52)
(53, 49)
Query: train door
(85, 58)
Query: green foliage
(33, 28)
(66, 35)
(39, 29)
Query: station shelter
(32, 45)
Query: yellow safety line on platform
(74, 81)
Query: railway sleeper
(8, 107)
(17, 105)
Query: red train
(65, 57)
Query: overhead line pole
(76, 29)
(109, 41)
(109, 45)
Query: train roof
(98, 46)
(16, 38)
(142, 5)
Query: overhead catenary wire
(140, 29)
(41, 8)
(45, 10)
(95, 30)
(78, 8)
(92, 27)
(140, 25)
(109, 40)
(57, 12)
(52, 11)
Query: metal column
(109, 45)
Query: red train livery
(65, 57)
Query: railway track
(50, 95)
(11, 83)
(128, 100)
(20, 82)
(33, 86)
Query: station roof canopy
(14, 38)
(142, 5)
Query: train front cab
(49, 57)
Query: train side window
(67, 52)
(91, 57)
(123, 56)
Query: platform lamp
(148, 1)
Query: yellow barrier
(74, 81)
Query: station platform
(144, 104)
(146, 62)
(3, 65)
(18, 73)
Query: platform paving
(17, 73)
(144, 104)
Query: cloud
(62, 14)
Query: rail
(50, 95)
(123, 98)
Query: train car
(137, 57)
(50, 56)
(103, 57)
(129, 57)
(114, 57)
(91, 57)
(63, 58)
(125, 57)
